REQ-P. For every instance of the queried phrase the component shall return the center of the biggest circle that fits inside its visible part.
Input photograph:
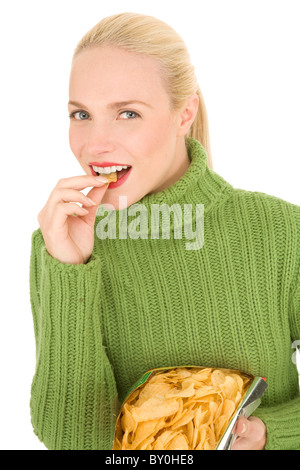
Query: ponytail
(200, 128)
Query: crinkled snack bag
(186, 408)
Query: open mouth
(107, 171)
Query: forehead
(111, 73)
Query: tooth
(109, 169)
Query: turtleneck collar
(199, 185)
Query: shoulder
(271, 220)
(272, 208)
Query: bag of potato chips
(186, 408)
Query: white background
(246, 55)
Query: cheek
(75, 140)
(161, 138)
(153, 136)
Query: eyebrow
(118, 104)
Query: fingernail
(102, 179)
(243, 428)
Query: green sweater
(142, 303)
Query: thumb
(252, 428)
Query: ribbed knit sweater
(149, 302)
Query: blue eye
(83, 115)
(130, 114)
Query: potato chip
(180, 409)
(172, 420)
(153, 390)
(178, 442)
(164, 438)
(183, 418)
(217, 377)
(155, 408)
(190, 433)
(127, 420)
(229, 388)
(187, 390)
(146, 444)
(111, 177)
(144, 430)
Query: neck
(181, 163)
(199, 185)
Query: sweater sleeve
(283, 421)
(74, 399)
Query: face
(121, 116)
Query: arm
(283, 425)
(283, 421)
(73, 397)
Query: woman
(109, 305)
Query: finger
(242, 444)
(63, 210)
(70, 195)
(241, 426)
(96, 194)
(252, 429)
(82, 181)
(66, 190)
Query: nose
(100, 139)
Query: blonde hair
(146, 35)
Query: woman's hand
(252, 434)
(69, 238)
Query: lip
(115, 184)
(107, 164)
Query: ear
(188, 114)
